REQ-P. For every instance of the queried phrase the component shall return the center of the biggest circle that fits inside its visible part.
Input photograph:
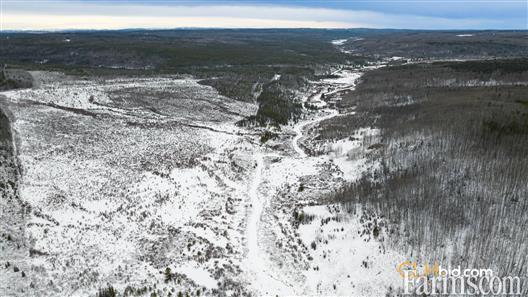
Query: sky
(402, 14)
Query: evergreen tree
(168, 274)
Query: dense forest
(453, 147)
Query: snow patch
(198, 275)
(339, 41)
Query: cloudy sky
(410, 14)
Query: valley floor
(149, 186)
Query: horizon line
(243, 28)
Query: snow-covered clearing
(340, 43)
(128, 177)
(347, 258)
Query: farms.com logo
(433, 279)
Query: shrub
(168, 275)
(301, 188)
(267, 135)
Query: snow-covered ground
(339, 41)
(301, 126)
(129, 177)
(347, 258)
(281, 259)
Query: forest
(453, 146)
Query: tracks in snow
(300, 127)
(262, 276)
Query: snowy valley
(171, 196)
